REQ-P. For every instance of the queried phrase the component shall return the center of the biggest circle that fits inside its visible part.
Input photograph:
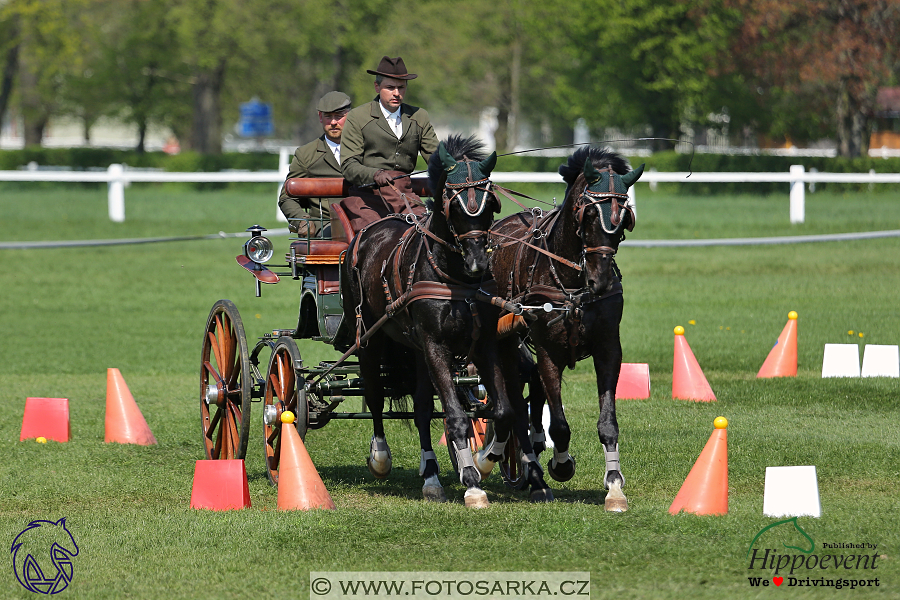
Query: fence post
(632, 199)
(116, 193)
(798, 195)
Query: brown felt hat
(333, 102)
(393, 68)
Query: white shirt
(393, 119)
(335, 149)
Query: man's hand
(383, 178)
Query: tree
(640, 64)
(831, 54)
(49, 47)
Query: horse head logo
(42, 556)
(804, 543)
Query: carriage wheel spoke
(213, 422)
(214, 345)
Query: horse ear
(629, 178)
(488, 164)
(590, 173)
(448, 161)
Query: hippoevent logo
(793, 562)
(42, 556)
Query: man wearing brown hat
(319, 158)
(380, 144)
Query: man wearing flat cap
(380, 144)
(319, 158)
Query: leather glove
(383, 178)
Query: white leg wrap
(538, 436)
(559, 457)
(426, 455)
(464, 459)
(612, 462)
(495, 447)
(531, 459)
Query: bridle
(472, 207)
(618, 208)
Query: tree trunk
(853, 125)
(512, 125)
(206, 134)
(10, 66)
(35, 112)
(142, 136)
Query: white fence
(118, 177)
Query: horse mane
(457, 146)
(600, 157)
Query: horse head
(596, 203)
(459, 175)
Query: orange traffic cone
(782, 359)
(47, 419)
(124, 422)
(705, 491)
(299, 484)
(688, 380)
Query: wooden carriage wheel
(284, 391)
(225, 384)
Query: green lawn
(69, 314)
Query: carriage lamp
(258, 248)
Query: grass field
(69, 314)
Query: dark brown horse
(565, 260)
(425, 275)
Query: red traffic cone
(220, 485)
(299, 484)
(46, 418)
(634, 381)
(688, 380)
(782, 359)
(124, 422)
(705, 491)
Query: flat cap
(333, 102)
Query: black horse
(422, 276)
(565, 258)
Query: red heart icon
(778, 580)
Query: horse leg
(439, 360)
(423, 405)
(607, 364)
(499, 377)
(535, 399)
(379, 460)
(562, 466)
(512, 368)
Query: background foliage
(780, 68)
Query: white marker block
(791, 492)
(841, 360)
(881, 361)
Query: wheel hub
(212, 394)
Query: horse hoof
(434, 493)
(544, 495)
(484, 465)
(476, 498)
(615, 499)
(379, 469)
(563, 471)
